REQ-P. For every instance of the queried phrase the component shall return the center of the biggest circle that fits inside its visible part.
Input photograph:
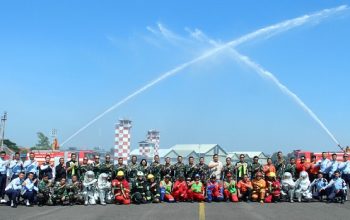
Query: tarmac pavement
(185, 211)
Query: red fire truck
(56, 155)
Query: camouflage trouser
(76, 198)
(60, 199)
(44, 198)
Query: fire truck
(57, 154)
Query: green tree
(11, 145)
(43, 142)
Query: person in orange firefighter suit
(196, 189)
(230, 190)
(180, 189)
(121, 190)
(215, 190)
(259, 186)
(273, 188)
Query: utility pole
(3, 122)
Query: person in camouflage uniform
(203, 170)
(107, 167)
(96, 166)
(166, 168)
(190, 168)
(292, 169)
(83, 168)
(156, 168)
(178, 169)
(45, 191)
(228, 168)
(60, 195)
(132, 169)
(280, 165)
(255, 167)
(75, 191)
(120, 166)
(143, 167)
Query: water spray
(276, 28)
(270, 76)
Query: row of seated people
(146, 190)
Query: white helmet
(90, 174)
(140, 173)
(287, 176)
(304, 174)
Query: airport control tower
(154, 137)
(122, 140)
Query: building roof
(135, 152)
(185, 153)
(163, 152)
(198, 148)
(250, 154)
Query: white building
(248, 156)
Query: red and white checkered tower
(144, 148)
(154, 137)
(122, 140)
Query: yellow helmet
(150, 176)
(271, 174)
(120, 173)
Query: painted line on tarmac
(202, 211)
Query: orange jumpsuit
(259, 187)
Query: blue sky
(64, 62)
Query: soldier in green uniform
(107, 167)
(96, 166)
(291, 168)
(228, 168)
(178, 169)
(202, 170)
(156, 168)
(60, 195)
(166, 168)
(45, 191)
(83, 168)
(255, 167)
(280, 165)
(143, 167)
(120, 166)
(190, 168)
(132, 169)
(74, 191)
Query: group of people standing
(86, 183)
